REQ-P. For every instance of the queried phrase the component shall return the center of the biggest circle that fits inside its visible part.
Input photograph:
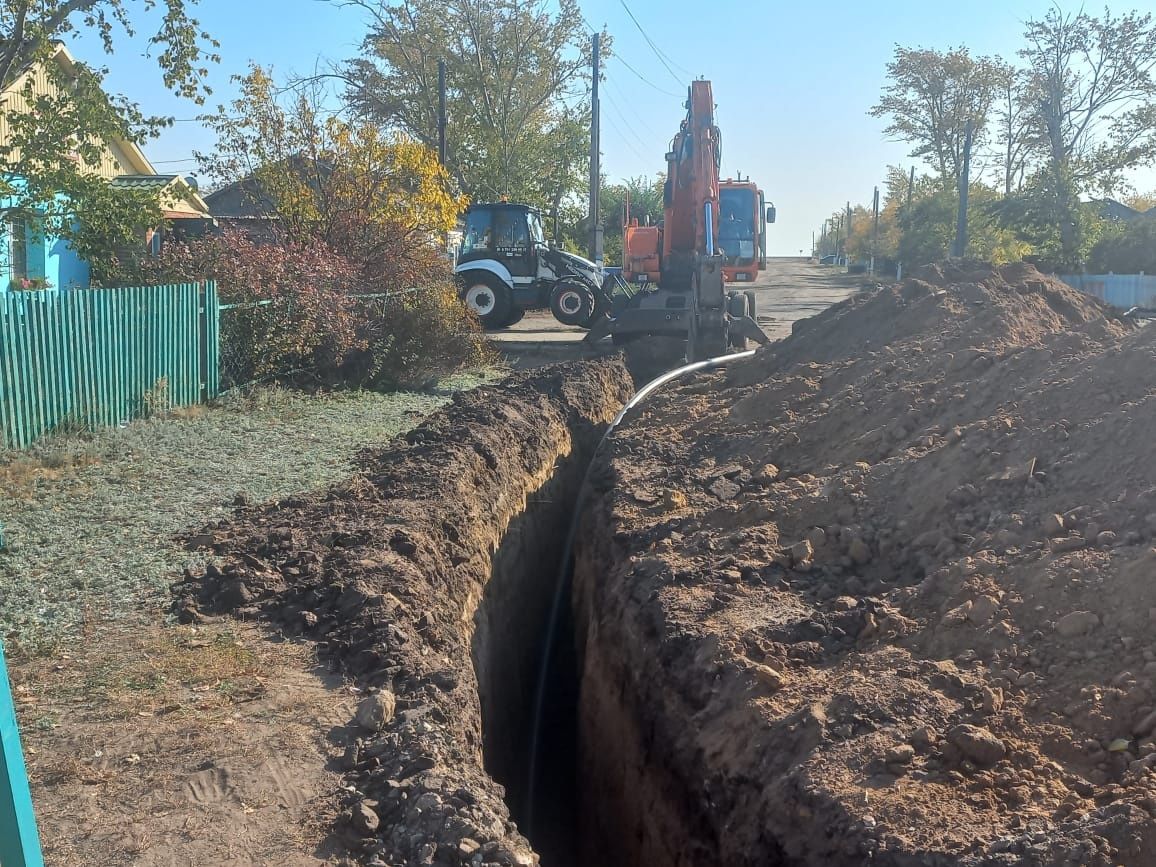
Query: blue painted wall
(48, 257)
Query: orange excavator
(673, 282)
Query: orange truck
(742, 229)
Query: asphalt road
(790, 289)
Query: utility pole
(595, 168)
(961, 225)
(442, 112)
(847, 235)
(875, 232)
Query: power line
(622, 116)
(646, 80)
(641, 77)
(625, 140)
(662, 58)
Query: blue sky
(793, 81)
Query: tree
(1015, 137)
(517, 77)
(930, 97)
(1141, 201)
(379, 198)
(1095, 109)
(1130, 249)
(46, 168)
(645, 197)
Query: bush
(299, 313)
(412, 339)
(1127, 249)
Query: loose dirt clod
(976, 445)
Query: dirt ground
(154, 743)
(883, 594)
(224, 740)
(180, 745)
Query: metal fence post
(19, 842)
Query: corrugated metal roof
(143, 182)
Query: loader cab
(508, 233)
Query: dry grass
(90, 521)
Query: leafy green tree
(46, 167)
(1030, 214)
(1126, 249)
(1096, 109)
(927, 227)
(929, 100)
(517, 74)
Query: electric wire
(639, 75)
(658, 52)
(614, 106)
(624, 139)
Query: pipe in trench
(566, 567)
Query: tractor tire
(488, 298)
(738, 308)
(572, 303)
(752, 308)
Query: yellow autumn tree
(367, 193)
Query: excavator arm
(691, 297)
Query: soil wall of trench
(427, 579)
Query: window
(736, 231)
(18, 248)
(511, 232)
(477, 234)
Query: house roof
(132, 154)
(246, 198)
(145, 182)
(177, 188)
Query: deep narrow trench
(524, 643)
(512, 629)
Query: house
(1110, 209)
(245, 207)
(32, 257)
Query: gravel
(89, 522)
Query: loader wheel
(489, 298)
(572, 303)
(738, 308)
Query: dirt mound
(389, 572)
(885, 592)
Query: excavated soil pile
(885, 593)
(393, 572)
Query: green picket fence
(98, 357)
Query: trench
(528, 662)
(511, 633)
